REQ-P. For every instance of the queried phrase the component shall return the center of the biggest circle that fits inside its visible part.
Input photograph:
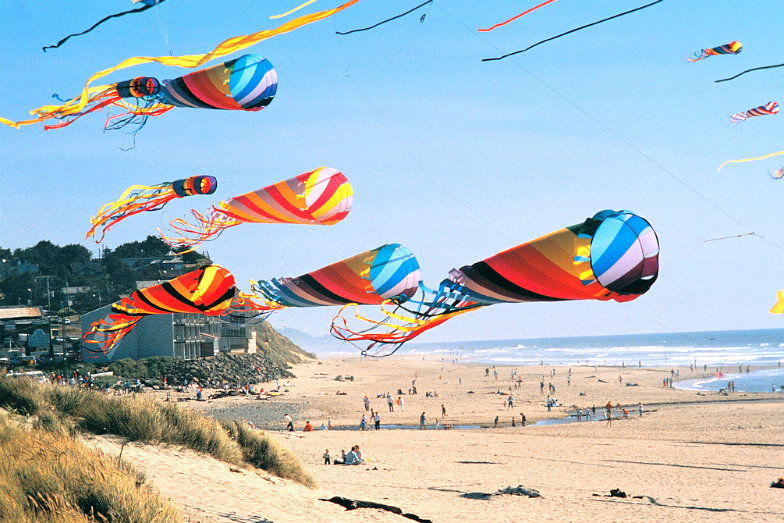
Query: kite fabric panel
(247, 83)
(322, 196)
(77, 105)
(762, 110)
(734, 47)
(369, 278)
(147, 5)
(141, 198)
(612, 256)
(209, 291)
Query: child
(327, 459)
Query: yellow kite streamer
(293, 10)
(229, 46)
(750, 159)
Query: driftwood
(352, 504)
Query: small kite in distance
(147, 5)
(734, 47)
(778, 174)
(141, 198)
(762, 110)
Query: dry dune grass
(49, 476)
(57, 414)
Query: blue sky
(455, 158)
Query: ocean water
(712, 348)
(765, 380)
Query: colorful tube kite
(768, 108)
(207, 291)
(247, 83)
(140, 198)
(730, 48)
(147, 4)
(611, 256)
(389, 272)
(237, 43)
(322, 196)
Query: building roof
(17, 313)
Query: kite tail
(99, 22)
(205, 228)
(696, 57)
(739, 117)
(103, 336)
(390, 334)
(135, 199)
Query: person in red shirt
(308, 427)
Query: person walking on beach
(327, 459)
(495, 422)
(422, 420)
(377, 420)
(390, 402)
(541, 387)
(639, 408)
(367, 403)
(289, 423)
(608, 412)
(522, 419)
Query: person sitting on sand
(352, 458)
(308, 427)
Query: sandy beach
(691, 456)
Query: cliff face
(278, 348)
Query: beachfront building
(180, 335)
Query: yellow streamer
(750, 159)
(293, 10)
(236, 43)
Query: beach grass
(138, 418)
(263, 452)
(49, 476)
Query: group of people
(354, 457)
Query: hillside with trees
(70, 280)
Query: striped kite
(140, 198)
(768, 108)
(247, 83)
(730, 48)
(207, 291)
(322, 196)
(76, 105)
(389, 272)
(611, 256)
